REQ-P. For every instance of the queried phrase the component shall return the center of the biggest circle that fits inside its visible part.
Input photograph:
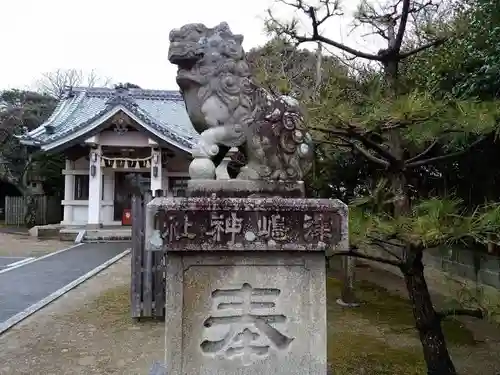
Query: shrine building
(116, 142)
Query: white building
(116, 142)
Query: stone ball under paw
(202, 169)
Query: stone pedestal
(245, 281)
(246, 313)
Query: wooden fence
(38, 209)
(147, 289)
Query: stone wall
(452, 273)
(473, 266)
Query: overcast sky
(125, 40)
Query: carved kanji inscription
(248, 313)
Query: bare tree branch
(402, 26)
(434, 43)
(311, 12)
(56, 82)
(383, 24)
(347, 49)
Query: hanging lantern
(148, 164)
(127, 165)
(103, 162)
(114, 164)
(137, 164)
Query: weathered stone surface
(230, 110)
(245, 313)
(270, 224)
(158, 369)
(245, 282)
(237, 188)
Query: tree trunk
(395, 141)
(399, 188)
(427, 322)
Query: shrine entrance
(126, 185)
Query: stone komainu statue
(229, 110)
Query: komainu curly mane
(229, 110)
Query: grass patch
(384, 308)
(359, 354)
(111, 310)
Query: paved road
(5, 261)
(26, 285)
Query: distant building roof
(82, 110)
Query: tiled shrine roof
(82, 110)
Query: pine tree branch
(367, 142)
(347, 145)
(384, 241)
(423, 153)
(366, 153)
(355, 254)
(387, 126)
(370, 156)
(380, 243)
(436, 159)
(351, 133)
(391, 253)
(476, 313)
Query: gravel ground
(87, 331)
(16, 245)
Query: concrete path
(23, 287)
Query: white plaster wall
(129, 139)
(80, 214)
